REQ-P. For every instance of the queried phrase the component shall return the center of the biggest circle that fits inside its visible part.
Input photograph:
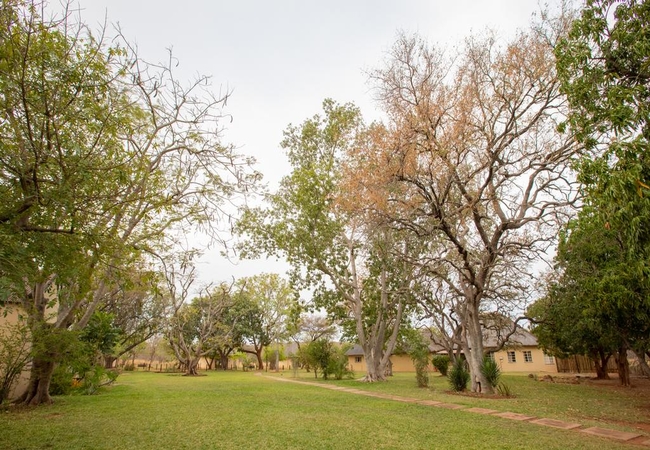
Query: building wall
(403, 363)
(11, 316)
(538, 364)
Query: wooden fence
(582, 364)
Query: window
(490, 355)
(357, 359)
(548, 359)
(512, 358)
(528, 356)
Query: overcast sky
(281, 58)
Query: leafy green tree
(327, 357)
(603, 68)
(196, 327)
(266, 301)
(342, 252)
(419, 353)
(101, 156)
(598, 304)
(441, 362)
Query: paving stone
(613, 434)
(482, 410)
(514, 416)
(556, 424)
(449, 406)
(403, 399)
(428, 402)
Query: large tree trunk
(260, 361)
(38, 390)
(374, 371)
(192, 367)
(600, 361)
(223, 361)
(623, 367)
(642, 363)
(474, 354)
(109, 361)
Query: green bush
(491, 371)
(421, 373)
(458, 376)
(504, 390)
(338, 365)
(95, 378)
(62, 380)
(419, 353)
(441, 363)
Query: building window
(490, 355)
(548, 359)
(357, 359)
(528, 356)
(512, 358)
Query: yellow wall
(12, 317)
(537, 365)
(403, 363)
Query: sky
(281, 58)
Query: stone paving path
(632, 438)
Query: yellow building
(520, 354)
(11, 317)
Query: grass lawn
(591, 403)
(244, 410)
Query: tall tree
(346, 258)
(268, 299)
(484, 173)
(195, 328)
(593, 305)
(603, 67)
(101, 156)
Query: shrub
(95, 378)
(441, 363)
(62, 380)
(419, 353)
(458, 376)
(338, 364)
(422, 373)
(504, 390)
(491, 371)
(14, 354)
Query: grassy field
(245, 410)
(592, 403)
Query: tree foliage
(101, 156)
(603, 67)
(484, 176)
(331, 246)
(265, 302)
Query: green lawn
(603, 404)
(244, 410)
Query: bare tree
(484, 171)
